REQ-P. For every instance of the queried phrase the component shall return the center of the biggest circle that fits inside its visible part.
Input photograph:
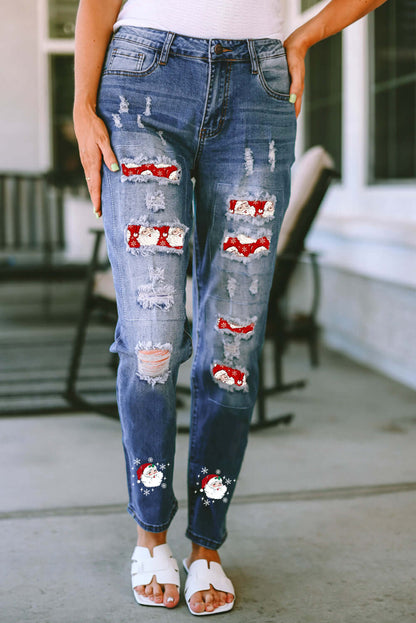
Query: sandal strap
(200, 576)
(161, 564)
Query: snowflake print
(228, 481)
(163, 485)
(162, 466)
(225, 500)
(218, 471)
(206, 502)
(137, 461)
(204, 470)
(150, 459)
(146, 492)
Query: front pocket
(127, 58)
(123, 60)
(274, 76)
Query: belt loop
(253, 56)
(166, 48)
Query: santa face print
(175, 237)
(148, 236)
(213, 487)
(149, 476)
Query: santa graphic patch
(148, 476)
(213, 487)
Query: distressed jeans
(204, 135)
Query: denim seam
(200, 133)
(151, 527)
(207, 133)
(278, 96)
(202, 540)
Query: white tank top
(208, 19)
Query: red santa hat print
(141, 470)
(207, 479)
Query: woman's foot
(206, 600)
(167, 594)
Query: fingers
(94, 148)
(109, 157)
(296, 90)
(91, 162)
(296, 65)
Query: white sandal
(200, 576)
(144, 567)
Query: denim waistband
(246, 50)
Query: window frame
(372, 180)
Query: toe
(196, 603)
(209, 602)
(148, 591)
(139, 590)
(157, 595)
(171, 596)
(229, 598)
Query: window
(66, 163)
(323, 97)
(62, 14)
(393, 91)
(307, 4)
(65, 158)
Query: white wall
(19, 53)
(366, 235)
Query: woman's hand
(333, 18)
(295, 54)
(94, 146)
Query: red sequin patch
(233, 244)
(160, 236)
(170, 172)
(229, 376)
(235, 328)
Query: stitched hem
(201, 540)
(150, 527)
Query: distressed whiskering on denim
(231, 286)
(139, 121)
(155, 202)
(156, 294)
(124, 105)
(272, 155)
(148, 110)
(254, 286)
(248, 161)
(162, 138)
(117, 120)
(153, 362)
(231, 349)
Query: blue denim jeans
(204, 134)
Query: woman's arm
(335, 16)
(93, 30)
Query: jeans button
(218, 48)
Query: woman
(184, 91)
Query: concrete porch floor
(321, 529)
